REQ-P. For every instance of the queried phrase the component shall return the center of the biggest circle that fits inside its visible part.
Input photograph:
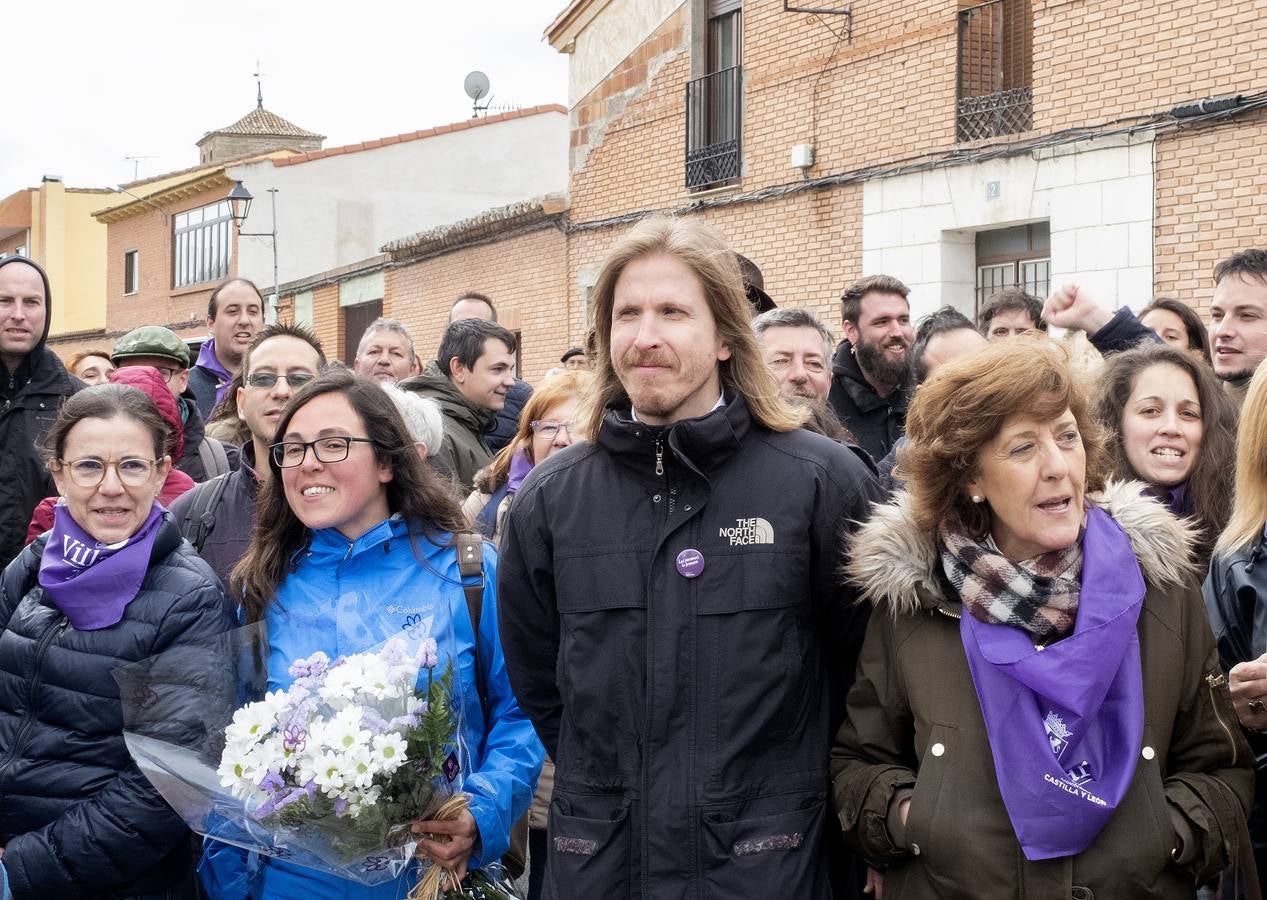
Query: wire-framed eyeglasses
(88, 471)
(548, 428)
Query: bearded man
(871, 371)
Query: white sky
(92, 83)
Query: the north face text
(748, 531)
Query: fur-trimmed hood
(894, 564)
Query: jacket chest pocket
(760, 666)
(602, 662)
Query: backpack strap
(470, 550)
(200, 518)
(215, 461)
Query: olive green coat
(916, 730)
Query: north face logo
(748, 531)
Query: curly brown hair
(965, 403)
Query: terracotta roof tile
(260, 121)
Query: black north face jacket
(689, 718)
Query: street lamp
(239, 208)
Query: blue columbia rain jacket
(346, 597)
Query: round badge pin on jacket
(690, 563)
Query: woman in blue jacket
(353, 543)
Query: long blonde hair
(1249, 506)
(703, 250)
(551, 392)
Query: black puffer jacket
(29, 401)
(77, 819)
(688, 718)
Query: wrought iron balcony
(995, 76)
(714, 130)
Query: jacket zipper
(947, 613)
(29, 718)
(1216, 681)
(649, 702)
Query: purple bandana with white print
(89, 581)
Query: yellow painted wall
(80, 302)
(71, 246)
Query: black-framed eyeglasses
(548, 428)
(268, 379)
(288, 454)
(89, 471)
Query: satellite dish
(476, 85)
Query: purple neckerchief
(1173, 498)
(208, 360)
(1065, 722)
(90, 582)
(520, 466)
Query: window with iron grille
(714, 102)
(996, 70)
(1014, 257)
(202, 241)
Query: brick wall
(526, 277)
(808, 247)
(1208, 185)
(327, 322)
(889, 95)
(66, 347)
(155, 302)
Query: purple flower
(272, 782)
(311, 667)
(393, 653)
(373, 722)
(294, 738)
(428, 656)
(340, 806)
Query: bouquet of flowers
(329, 772)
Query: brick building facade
(958, 146)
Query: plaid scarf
(1039, 595)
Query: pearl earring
(976, 499)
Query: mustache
(632, 359)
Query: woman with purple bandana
(1039, 709)
(112, 583)
(1171, 426)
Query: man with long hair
(671, 613)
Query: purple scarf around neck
(92, 583)
(1065, 722)
(1174, 498)
(208, 360)
(520, 466)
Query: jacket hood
(896, 565)
(843, 362)
(147, 379)
(48, 295)
(453, 403)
